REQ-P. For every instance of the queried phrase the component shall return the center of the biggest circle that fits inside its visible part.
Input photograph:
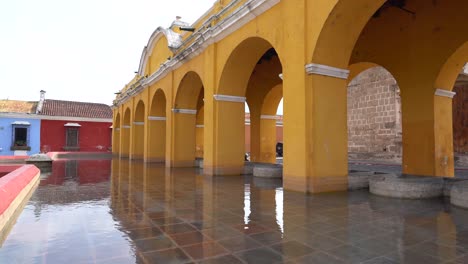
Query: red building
(74, 126)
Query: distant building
(74, 126)
(28, 128)
(19, 128)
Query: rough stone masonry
(374, 117)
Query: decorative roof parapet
(195, 44)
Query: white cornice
(204, 37)
(157, 118)
(184, 111)
(445, 93)
(229, 98)
(58, 118)
(272, 117)
(326, 70)
(139, 123)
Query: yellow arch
(341, 30)
(236, 72)
(188, 91)
(451, 68)
(155, 52)
(158, 103)
(357, 68)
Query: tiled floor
(148, 214)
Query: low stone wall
(14, 188)
(79, 155)
(12, 159)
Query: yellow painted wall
(158, 55)
(423, 52)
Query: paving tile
(228, 259)
(292, 249)
(154, 243)
(239, 243)
(380, 260)
(184, 239)
(408, 256)
(319, 258)
(222, 232)
(351, 254)
(205, 250)
(177, 228)
(445, 252)
(169, 256)
(260, 256)
(166, 221)
(250, 228)
(141, 233)
(268, 238)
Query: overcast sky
(81, 50)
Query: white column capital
(200, 126)
(325, 70)
(184, 111)
(229, 98)
(126, 126)
(272, 117)
(139, 123)
(156, 118)
(445, 93)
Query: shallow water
(117, 211)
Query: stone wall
(460, 119)
(374, 116)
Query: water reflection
(131, 212)
(247, 204)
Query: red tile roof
(76, 109)
(14, 106)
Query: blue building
(20, 128)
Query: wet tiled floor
(147, 214)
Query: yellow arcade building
(187, 99)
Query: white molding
(445, 93)
(72, 125)
(125, 126)
(184, 111)
(157, 118)
(272, 117)
(325, 70)
(139, 123)
(21, 123)
(200, 126)
(117, 129)
(205, 36)
(229, 98)
(61, 118)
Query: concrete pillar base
(264, 170)
(359, 179)
(199, 163)
(459, 194)
(408, 187)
